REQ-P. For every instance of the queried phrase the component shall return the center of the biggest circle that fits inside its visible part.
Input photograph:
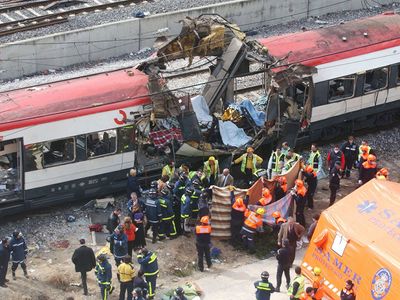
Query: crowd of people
(179, 204)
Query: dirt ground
(51, 241)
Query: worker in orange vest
(318, 283)
(203, 242)
(383, 174)
(239, 206)
(280, 189)
(251, 224)
(279, 220)
(368, 170)
(299, 196)
(308, 294)
(266, 197)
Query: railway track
(28, 15)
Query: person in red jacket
(130, 231)
(368, 170)
(334, 156)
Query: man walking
(284, 262)
(293, 232)
(18, 250)
(203, 241)
(84, 261)
(149, 265)
(126, 273)
(4, 259)
(350, 151)
(334, 182)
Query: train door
(11, 171)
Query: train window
(126, 139)
(375, 79)
(101, 143)
(49, 153)
(10, 170)
(341, 88)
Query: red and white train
(69, 140)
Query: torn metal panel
(291, 75)
(189, 151)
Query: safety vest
(207, 169)
(275, 166)
(253, 221)
(238, 207)
(167, 170)
(203, 229)
(244, 163)
(289, 164)
(314, 160)
(300, 279)
(318, 283)
(304, 296)
(360, 151)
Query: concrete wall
(118, 38)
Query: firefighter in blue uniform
(167, 227)
(264, 287)
(178, 190)
(104, 275)
(194, 204)
(153, 213)
(149, 266)
(18, 250)
(186, 209)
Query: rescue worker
(120, 244)
(280, 188)
(335, 156)
(104, 275)
(283, 255)
(290, 159)
(275, 163)
(179, 294)
(308, 294)
(382, 174)
(296, 287)
(194, 198)
(203, 242)
(177, 191)
(211, 170)
(363, 156)
(334, 182)
(252, 222)
(169, 170)
(350, 151)
(299, 196)
(114, 220)
(239, 206)
(249, 162)
(149, 265)
(186, 209)
(266, 198)
(153, 214)
(4, 259)
(317, 283)
(126, 273)
(348, 293)
(278, 222)
(264, 288)
(19, 251)
(203, 205)
(167, 227)
(84, 261)
(138, 294)
(364, 145)
(315, 159)
(368, 170)
(285, 148)
(312, 182)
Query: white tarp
(232, 135)
(201, 109)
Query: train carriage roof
(72, 98)
(316, 47)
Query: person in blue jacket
(18, 250)
(4, 259)
(153, 213)
(177, 191)
(186, 209)
(167, 227)
(149, 265)
(120, 244)
(104, 275)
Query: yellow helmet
(211, 158)
(260, 211)
(317, 271)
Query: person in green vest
(169, 170)
(285, 148)
(297, 285)
(249, 162)
(275, 163)
(315, 159)
(290, 160)
(211, 170)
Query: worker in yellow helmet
(318, 283)
(249, 162)
(211, 170)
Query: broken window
(10, 170)
(101, 143)
(341, 88)
(298, 93)
(375, 79)
(126, 138)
